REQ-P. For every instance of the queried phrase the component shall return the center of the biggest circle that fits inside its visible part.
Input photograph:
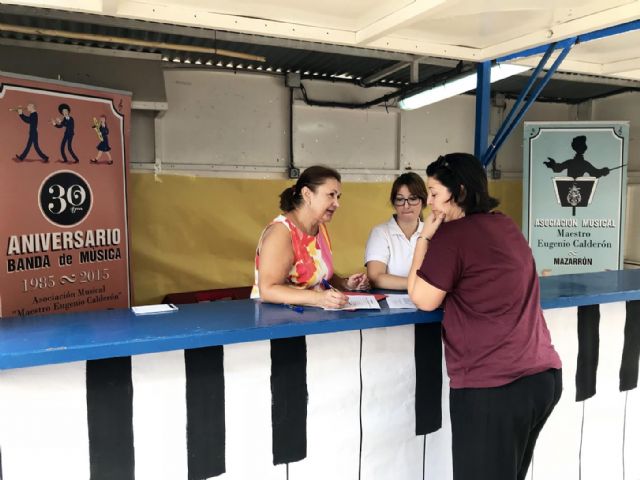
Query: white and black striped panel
(43, 423)
(289, 400)
(159, 415)
(390, 447)
(110, 418)
(333, 423)
(632, 435)
(247, 370)
(590, 439)
(227, 412)
(604, 412)
(205, 397)
(558, 447)
(438, 457)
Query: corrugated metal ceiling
(310, 60)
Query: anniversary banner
(574, 195)
(63, 203)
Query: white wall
(246, 117)
(510, 157)
(625, 106)
(225, 119)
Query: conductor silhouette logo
(579, 186)
(65, 198)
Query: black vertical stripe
(206, 434)
(631, 349)
(289, 399)
(110, 418)
(588, 351)
(428, 359)
(0, 464)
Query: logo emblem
(65, 198)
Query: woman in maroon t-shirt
(505, 374)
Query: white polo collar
(394, 228)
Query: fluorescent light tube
(458, 85)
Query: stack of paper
(360, 302)
(153, 309)
(400, 301)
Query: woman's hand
(357, 281)
(431, 225)
(331, 299)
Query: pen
(295, 308)
(327, 285)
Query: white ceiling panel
(631, 75)
(609, 50)
(474, 30)
(333, 14)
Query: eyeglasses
(413, 201)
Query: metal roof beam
(210, 34)
(64, 47)
(385, 72)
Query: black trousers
(495, 429)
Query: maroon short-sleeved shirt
(493, 328)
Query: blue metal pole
(483, 94)
(531, 100)
(507, 121)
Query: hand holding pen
(331, 297)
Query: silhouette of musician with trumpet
(32, 120)
(67, 123)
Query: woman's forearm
(288, 294)
(391, 282)
(418, 257)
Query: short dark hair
(312, 178)
(466, 179)
(414, 183)
(63, 106)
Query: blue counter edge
(16, 351)
(52, 339)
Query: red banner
(63, 203)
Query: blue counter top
(589, 288)
(48, 339)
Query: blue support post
(510, 123)
(507, 121)
(490, 155)
(483, 94)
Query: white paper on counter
(400, 301)
(360, 302)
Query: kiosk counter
(243, 390)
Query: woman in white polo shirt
(391, 245)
